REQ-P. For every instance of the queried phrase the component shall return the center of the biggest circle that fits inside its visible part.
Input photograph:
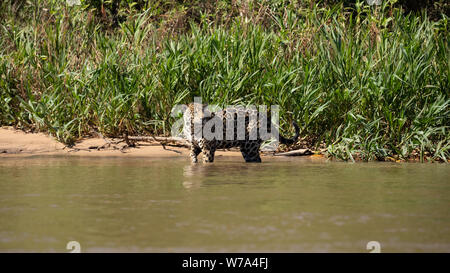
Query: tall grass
(370, 82)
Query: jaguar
(248, 143)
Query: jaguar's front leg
(195, 151)
(208, 150)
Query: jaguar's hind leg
(195, 151)
(250, 151)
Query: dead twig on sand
(169, 141)
(298, 152)
(172, 141)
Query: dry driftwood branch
(296, 153)
(174, 141)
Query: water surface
(170, 205)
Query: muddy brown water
(170, 205)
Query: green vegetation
(369, 82)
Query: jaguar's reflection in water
(198, 175)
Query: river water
(171, 205)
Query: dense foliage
(371, 82)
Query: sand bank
(19, 143)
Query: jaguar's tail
(292, 140)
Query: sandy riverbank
(18, 143)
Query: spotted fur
(250, 148)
